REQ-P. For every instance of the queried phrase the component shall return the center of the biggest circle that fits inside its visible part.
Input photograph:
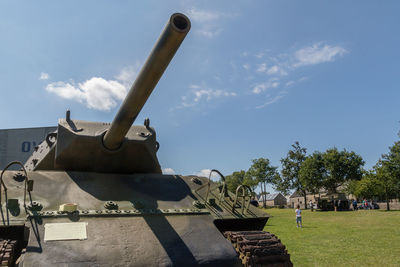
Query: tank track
(7, 252)
(259, 249)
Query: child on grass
(298, 217)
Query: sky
(250, 79)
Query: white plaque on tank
(65, 231)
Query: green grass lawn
(347, 238)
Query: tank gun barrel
(163, 51)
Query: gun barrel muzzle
(163, 51)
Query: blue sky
(250, 79)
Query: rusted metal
(7, 252)
(259, 248)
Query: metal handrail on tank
(243, 197)
(209, 186)
(163, 51)
(28, 186)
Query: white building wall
(18, 144)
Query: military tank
(93, 194)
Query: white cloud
(201, 93)
(273, 70)
(276, 70)
(96, 92)
(186, 103)
(246, 66)
(261, 87)
(210, 94)
(168, 171)
(206, 173)
(260, 55)
(128, 74)
(203, 15)
(208, 21)
(289, 83)
(317, 53)
(262, 67)
(44, 76)
(209, 33)
(65, 90)
(273, 99)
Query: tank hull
(136, 241)
(154, 222)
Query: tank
(93, 194)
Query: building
(18, 144)
(273, 200)
(297, 199)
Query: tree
(312, 172)
(341, 167)
(262, 172)
(234, 180)
(351, 187)
(250, 181)
(388, 172)
(289, 178)
(383, 180)
(280, 184)
(368, 187)
(391, 161)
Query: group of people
(366, 205)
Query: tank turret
(118, 147)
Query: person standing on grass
(298, 217)
(354, 204)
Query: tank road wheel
(259, 249)
(7, 252)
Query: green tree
(341, 167)
(234, 180)
(351, 187)
(368, 187)
(280, 184)
(250, 181)
(391, 161)
(312, 173)
(263, 173)
(383, 180)
(289, 178)
(388, 172)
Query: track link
(259, 249)
(7, 252)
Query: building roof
(269, 197)
(322, 191)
